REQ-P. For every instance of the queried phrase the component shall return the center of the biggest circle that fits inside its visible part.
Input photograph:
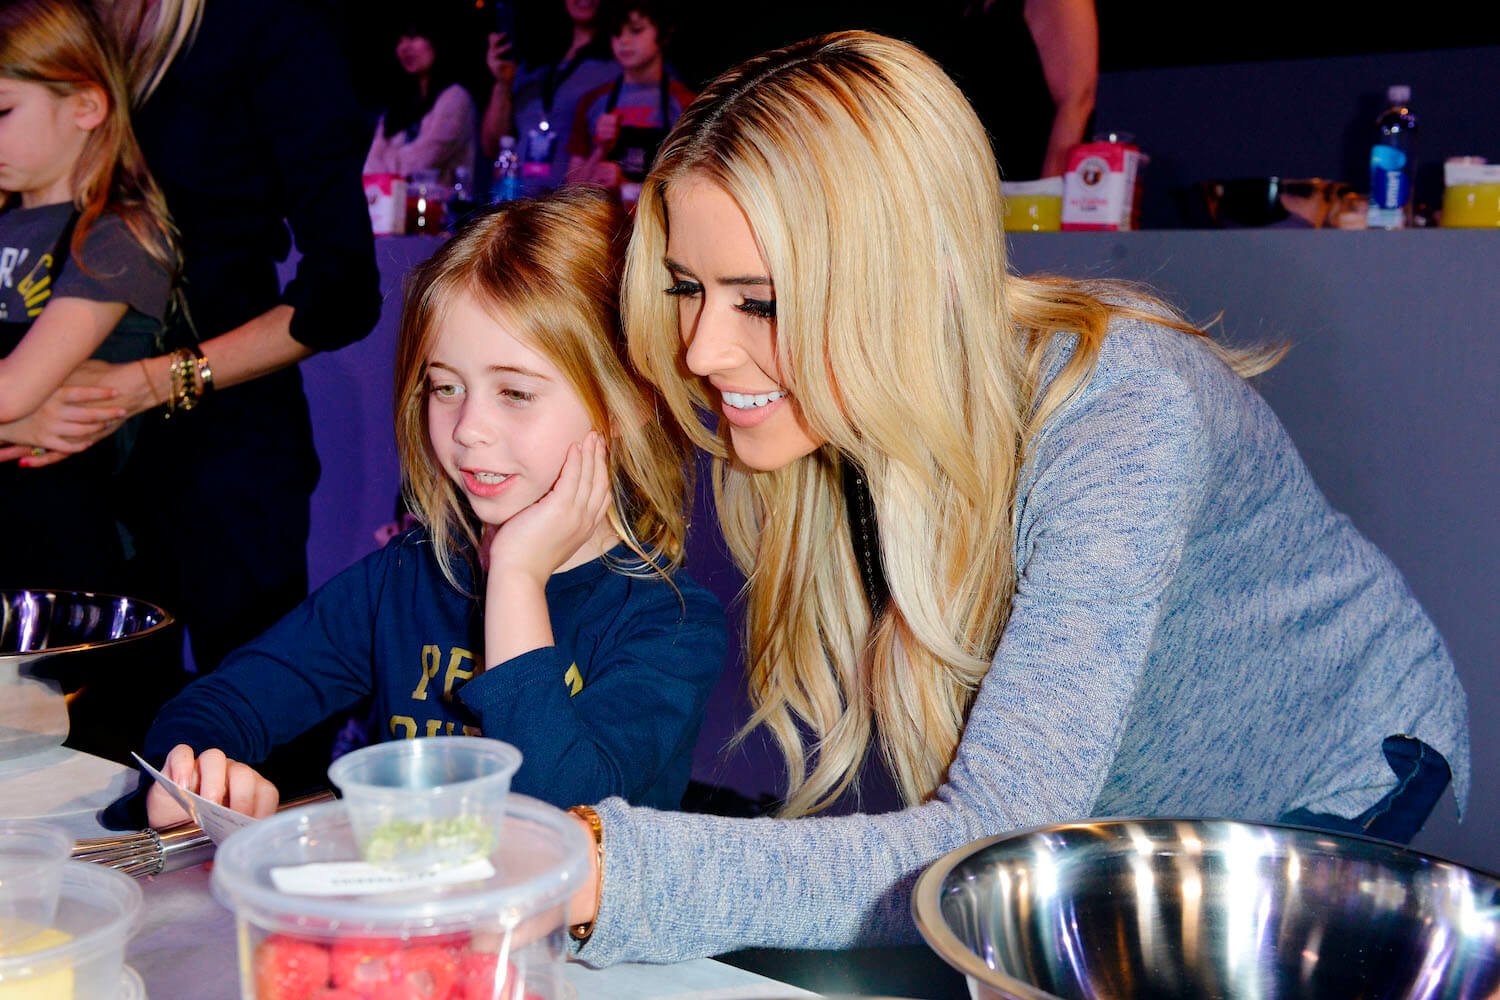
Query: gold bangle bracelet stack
(191, 379)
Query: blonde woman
(1037, 543)
(539, 601)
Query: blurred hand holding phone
(499, 55)
(505, 20)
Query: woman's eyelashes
(759, 308)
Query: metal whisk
(155, 852)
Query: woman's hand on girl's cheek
(538, 540)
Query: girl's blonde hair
(61, 45)
(874, 198)
(549, 270)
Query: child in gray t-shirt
(86, 271)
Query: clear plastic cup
(32, 856)
(427, 803)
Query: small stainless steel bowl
(1184, 908)
(42, 634)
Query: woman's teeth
(746, 401)
(490, 478)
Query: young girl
(86, 265)
(1035, 546)
(539, 602)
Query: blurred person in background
(539, 77)
(1030, 68)
(251, 128)
(619, 126)
(429, 123)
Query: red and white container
(1101, 186)
(386, 196)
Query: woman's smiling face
(727, 316)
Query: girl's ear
(90, 107)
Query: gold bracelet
(191, 376)
(582, 932)
(179, 397)
(205, 373)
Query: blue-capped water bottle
(1391, 163)
(507, 186)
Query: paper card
(359, 878)
(215, 820)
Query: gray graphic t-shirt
(112, 266)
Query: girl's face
(727, 316)
(501, 415)
(415, 54)
(42, 135)
(581, 11)
(636, 45)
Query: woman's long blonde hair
(61, 45)
(550, 270)
(874, 198)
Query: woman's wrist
(149, 385)
(583, 908)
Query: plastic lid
(540, 862)
(96, 911)
(1398, 93)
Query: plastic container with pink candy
(320, 918)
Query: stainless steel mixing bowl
(42, 632)
(38, 623)
(1164, 909)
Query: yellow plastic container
(1471, 193)
(1471, 206)
(1033, 206)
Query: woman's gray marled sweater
(1195, 633)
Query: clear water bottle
(1391, 163)
(460, 196)
(507, 186)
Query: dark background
(1133, 34)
